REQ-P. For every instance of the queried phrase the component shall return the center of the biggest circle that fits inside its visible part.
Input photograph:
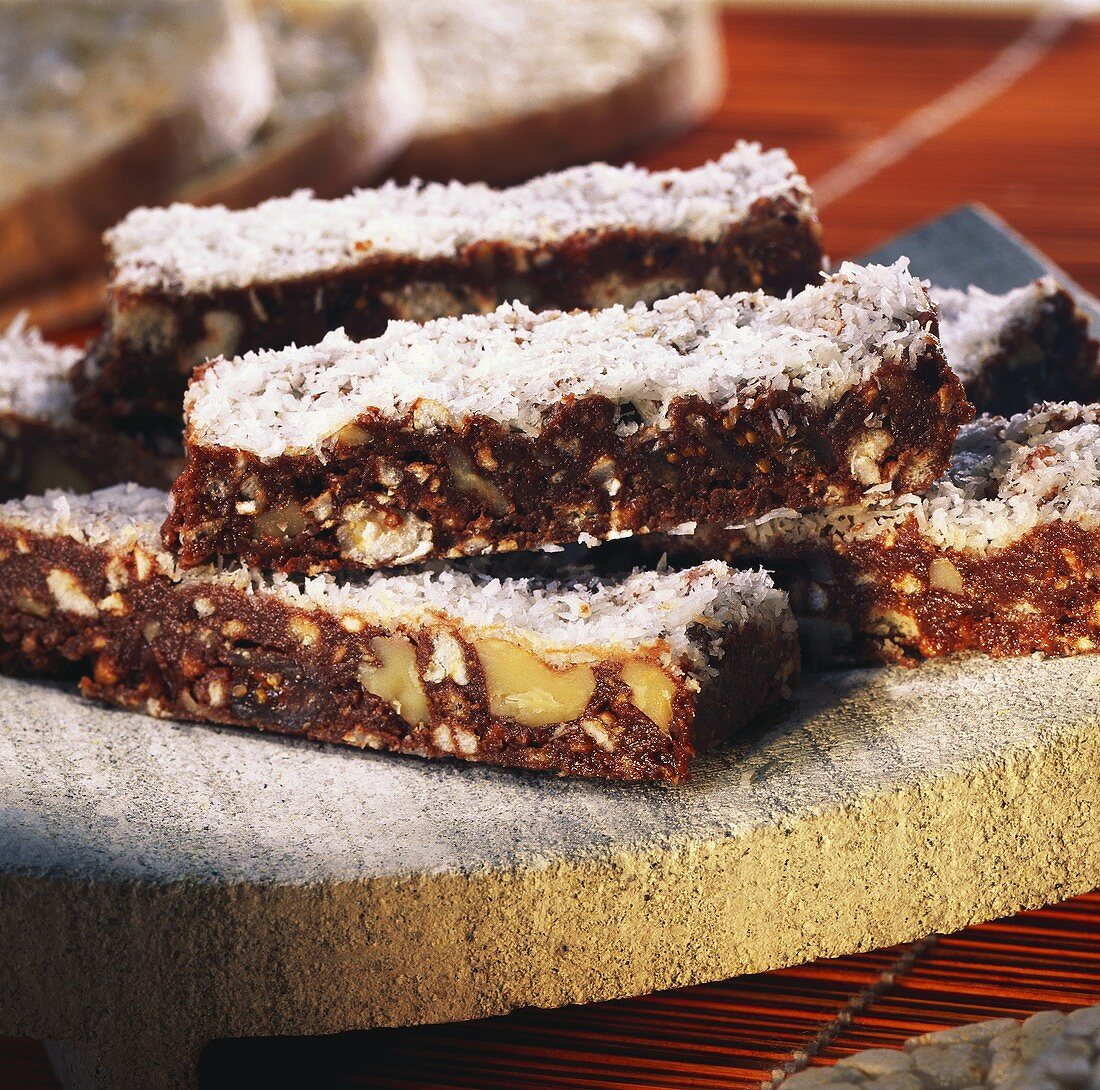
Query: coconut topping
(34, 373)
(187, 249)
(1007, 478)
(680, 614)
(974, 322)
(514, 364)
(497, 58)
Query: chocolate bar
(1002, 556)
(189, 284)
(620, 678)
(1014, 350)
(41, 444)
(521, 430)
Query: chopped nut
(144, 565)
(151, 631)
(375, 537)
(117, 575)
(943, 575)
(69, 595)
(26, 602)
(304, 630)
(468, 480)
(910, 584)
(283, 522)
(447, 661)
(595, 730)
(203, 606)
(222, 334)
(351, 435)
(234, 629)
(865, 456)
(393, 677)
(651, 691)
(105, 671)
(113, 603)
(523, 687)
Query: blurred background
(109, 104)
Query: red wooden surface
(823, 86)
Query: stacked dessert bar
(386, 536)
(43, 445)
(189, 284)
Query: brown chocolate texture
(37, 454)
(137, 373)
(1047, 355)
(218, 654)
(488, 488)
(904, 600)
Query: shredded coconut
(34, 374)
(973, 323)
(187, 249)
(514, 364)
(79, 80)
(499, 58)
(684, 612)
(1007, 478)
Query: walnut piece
(524, 688)
(651, 691)
(394, 678)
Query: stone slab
(164, 884)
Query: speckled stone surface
(1049, 1051)
(165, 884)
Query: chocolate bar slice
(41, 444)
(189, 284)
(1014, 350)
(615, 678)
(518, 430)
(1002, 556)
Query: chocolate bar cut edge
(158, 333)
(383, 490)
(229, 648)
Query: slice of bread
(108, 104)
(348, 98)
(519, 88)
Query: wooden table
(827, 87)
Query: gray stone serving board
(164, 884)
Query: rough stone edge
(244, 960)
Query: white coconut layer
(187, 249)
(974, 323)
(498, 58)
(1007, 478)
(515, 364)
(684, 615)
(34, 374)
